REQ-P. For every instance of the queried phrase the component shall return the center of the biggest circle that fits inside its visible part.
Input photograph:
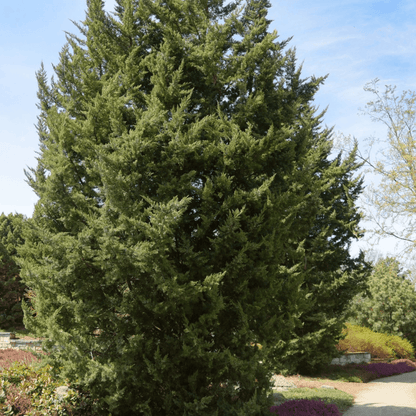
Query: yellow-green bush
(29, 389)
(361, 339)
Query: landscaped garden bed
(28, 388)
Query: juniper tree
(331, 276)
(12, 290)
(180, 177)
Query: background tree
(187, 209)
(391, 203)
(389, 306)
(12, 289)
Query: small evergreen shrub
(305, 407)
(381, 346)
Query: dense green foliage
(12, 289)
(389, 304)
(331, 276)
(379, 345)
(188, 208)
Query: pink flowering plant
(386, 369)
(304, 407)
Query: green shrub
(382, 346)
(28, 388)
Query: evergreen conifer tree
(331, 275)
(184, 183)
(12, 290)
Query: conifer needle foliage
(12, 290)
(188, 209)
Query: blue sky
(354, 41)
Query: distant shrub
(305, 407)
(382, 346)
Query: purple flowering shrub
(305, 407)
(386, 369)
